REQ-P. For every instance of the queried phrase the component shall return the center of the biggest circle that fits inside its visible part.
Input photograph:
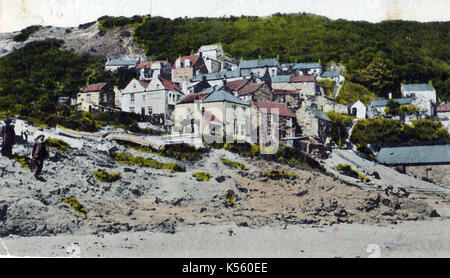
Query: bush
(104, 176)
(340, 124)
(26, 33)
(230, 198)
(202, 176)
(73, 202)
(347, 170)
(351, 92)
(178, 151)
(23, 160)
(124, 158)
(234, 164)
(57, 144)
(392, 132)
(328, 85)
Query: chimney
(390, 95)
(224, 82)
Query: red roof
(192, 58)
(148, 64)
(444, 107)
(169, 85)
(284, 92)
(249, 88)
(190, 98)
(302, 78)
(93, 87)
(270, 107)
(237, 84)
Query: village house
(123, 62)
(215, 58)
(219, 113)
(217, 78)
(98, 97)
(156, 98)
(314, 123)
(288, 97)
(424, 97)
(254, 92)
(377, 107)
(304, 84)
(259, 67)
(281, 82)
(358, 110)
(146, 69)
(280, 122)
(443, 115)
(186, 67)
(335, 75)
(306, 69)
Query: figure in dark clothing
(8, 135)
(39, 154)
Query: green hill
(377, 56)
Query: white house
(424, 94)
(358, 109)
(157, 97)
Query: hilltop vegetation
(377, 56)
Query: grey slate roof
(306, 66)
(436, 154)
(123, 62)
(331, 74)
(217, 75)
(383, 102)
(281, 78)
(250, 64)
(416, 87)
(221, 96)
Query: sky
(18, 14)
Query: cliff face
(84, 39)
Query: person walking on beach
(39, 154)
(8, 135)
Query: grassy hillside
(378, 56)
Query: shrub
(124, 158)
(202, 176)
(351, 92)
(229, 198)
(57, 144)
(105, 176)
(347, 170)
(23, 160)
(177, 151)
(234, 164)
(387, 132)
(26, 33)
(73, 202)
(276, 175)
(340, 124)
(328, 85)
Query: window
(132, 109)
(242, 129)
(143, 98)
(150, 110)
(131, 98)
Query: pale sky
(17, 14)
